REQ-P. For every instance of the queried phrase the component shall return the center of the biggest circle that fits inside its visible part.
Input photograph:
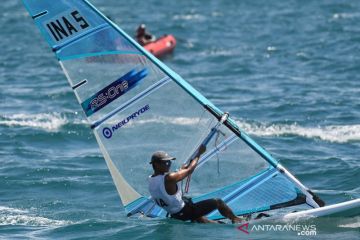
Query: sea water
(287, 71)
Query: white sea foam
(271, 48)
(13, 216)
(218, 52)
(189, 17)
(345, 15)
(11, 210)
(351, 225)
(331, 133)
(182, 121)
(189, 44)
(46, 121)
(355, 224)
(169, 120)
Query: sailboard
(136, 105)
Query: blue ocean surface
(287, 71)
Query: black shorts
(192, 211)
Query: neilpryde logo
(108, 132)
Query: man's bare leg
(205, 220)
(227, 212)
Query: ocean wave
(351, 193)
(183, 121)
(355, 224)
(189, 17)
(219, 52)
(345, 15)
(13, 216)
(47, 121)
(331, 133)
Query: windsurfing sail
(136, 105)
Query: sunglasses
(167, 163)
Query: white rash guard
(171, 203)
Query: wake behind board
(344, 209)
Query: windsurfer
(165, 191)
(143, 37)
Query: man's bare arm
(186, 171)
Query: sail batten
(39, 14)
(97, 54)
